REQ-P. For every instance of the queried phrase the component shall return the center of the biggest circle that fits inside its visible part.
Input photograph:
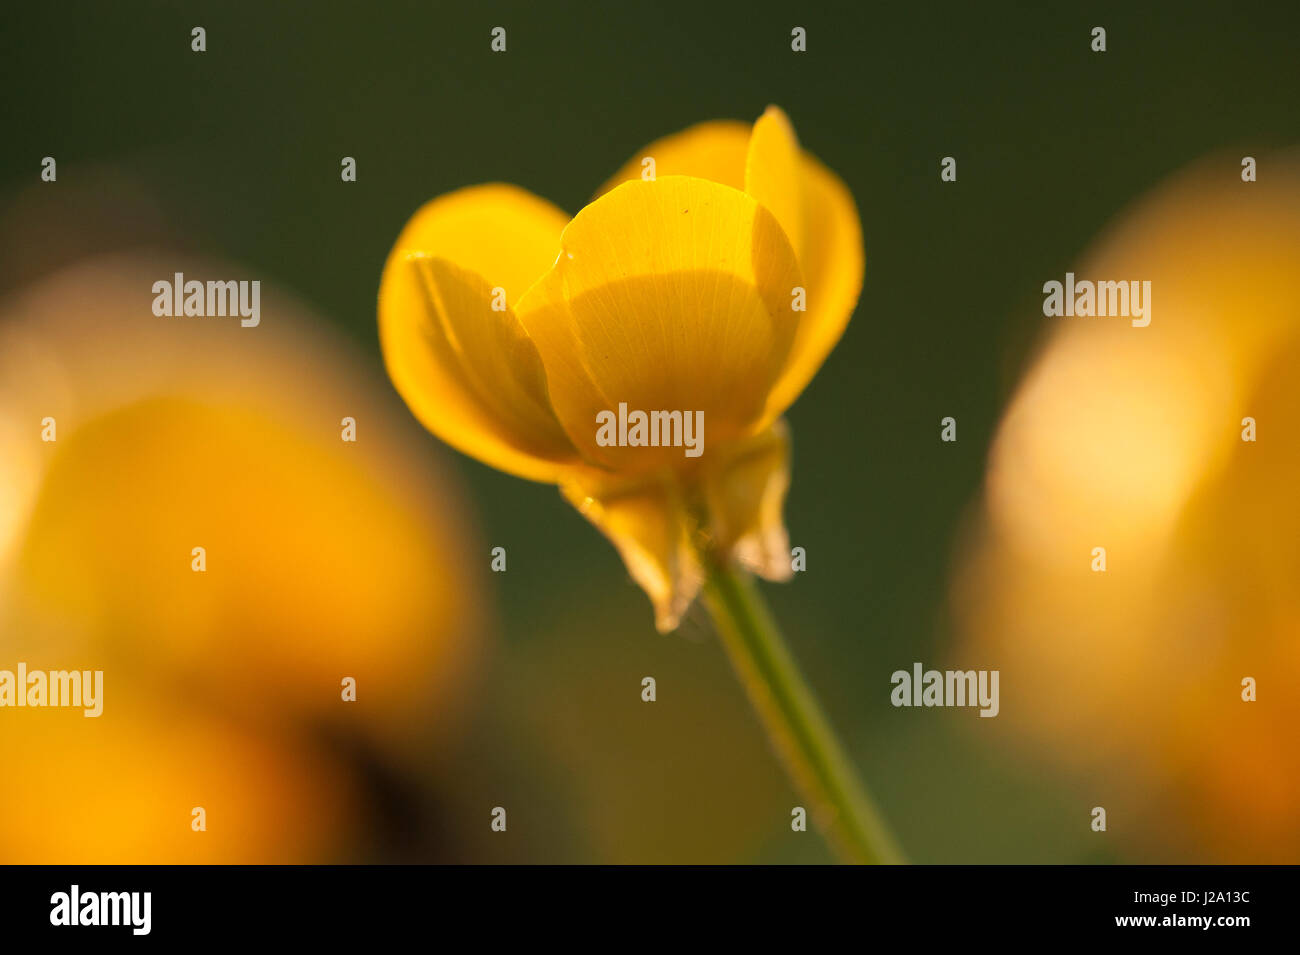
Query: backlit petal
(812, 204)
(668, 295)
(713, 150)
(833, 265)
(468, 371)
(647, 521)
(746, 493)
(506, 234)
(774, 173)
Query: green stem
(789, 711)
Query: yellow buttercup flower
(324, 560)
(639, 355)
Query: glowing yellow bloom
(324, 560)
(1142, 441)
(711, 288)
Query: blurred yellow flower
(710, 277)
(1173, 447)
(223, 689)
(121, 789)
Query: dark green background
(242, 144)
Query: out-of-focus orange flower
(325, 560)
(1131, 439)
(121, 789)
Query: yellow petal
(812, 204)
(714, 150)
(648, 522)
(506, 234)
(832, 263)
(745, 494)
(468, 371)
(774, 173)
(668, 295)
